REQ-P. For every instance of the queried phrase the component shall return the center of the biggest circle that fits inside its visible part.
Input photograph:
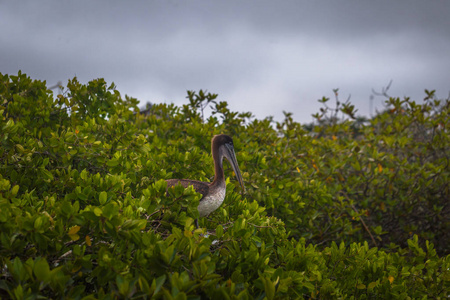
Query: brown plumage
(214, 192)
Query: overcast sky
(260, 56)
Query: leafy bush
(84, 211)
(394, 171)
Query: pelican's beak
(231, 157)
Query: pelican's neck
(219, 177)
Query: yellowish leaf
(380, 168)
(74, 230)
(372, 285)
(361, 286)
(298, 170)
(20, 148)
(88, 241)
(73, 233)
(391, 279)
(76, 269)
(74, 237)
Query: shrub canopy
(344, 207)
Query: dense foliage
(338, 209)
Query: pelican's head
(224, 145)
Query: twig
(361, 219)
(260, 226)
(365, 226)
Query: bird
(213, 193)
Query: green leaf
(17, 269)
(219, 231)
(14, 190)
(41, 269)
(18, 292)
(38, 223)
(45, 162)
(110, 210)
(46, 174)
(123, 284)
(112, 162)
(159, 283)
(269, 288)
(102, 198)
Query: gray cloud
(260, 56)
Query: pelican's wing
(199, 186)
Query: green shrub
(394, 171)
(84, 211)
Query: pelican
(214, 192)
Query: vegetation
(343, 208)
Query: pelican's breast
(212, 200)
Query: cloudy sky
(261, 56)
